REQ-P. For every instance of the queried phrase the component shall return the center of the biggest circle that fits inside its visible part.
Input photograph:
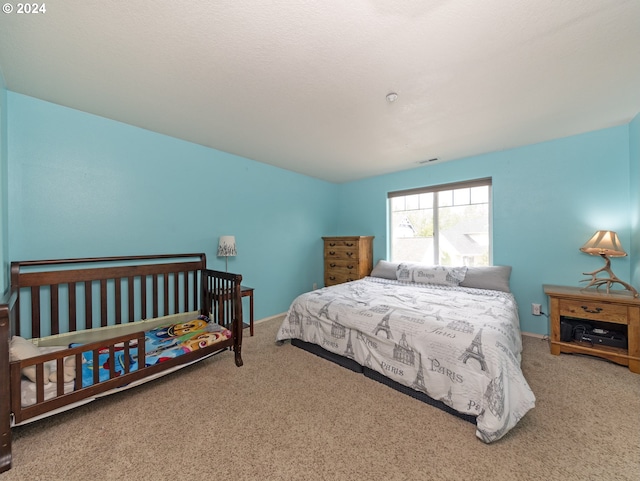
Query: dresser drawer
(340, 265)
(338, 277)
(331, 243)
(594, 310)
(341, 252)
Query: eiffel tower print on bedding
(458, 345)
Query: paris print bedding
(458, 345)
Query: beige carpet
(289, 415)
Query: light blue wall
(81, 185)
(634, 178)
(548, 199)
(4, 188)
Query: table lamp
(605, 243)
(227, 248)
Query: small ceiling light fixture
(392, 96)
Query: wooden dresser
(347, 258)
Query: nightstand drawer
(596, 311)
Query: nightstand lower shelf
(613, 354)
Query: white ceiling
(302, 84)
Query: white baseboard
(533, 334)
(264, 319)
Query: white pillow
(404, 273)
(439, 275)
(20, 349)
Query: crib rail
(80, 391)
(54, 298)
(222, 301)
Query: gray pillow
(488, 277)
(385, 270)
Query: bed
(74, 330)
(447, 336)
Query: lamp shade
(604, 242)
(227, 246)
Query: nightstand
(618, 311)
(248, 292)
(245, 291)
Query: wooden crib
(111, 301)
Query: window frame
(435, 189)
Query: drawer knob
(332, 253)
(332, 278)
(349, 254)
(350, 267)
(592, 311)
(333, 264)
(332, 244)
(349, 244)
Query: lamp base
(608, 281)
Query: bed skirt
(376, 376)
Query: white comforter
(459, 345)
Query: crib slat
(143, 294)
(103, 303)
(40, 382)
(88, 306)
(78, 383)
(130, 298)
(165, 293)
(126, 357)
(96, 362)
(118, 300)
(185, 294)
(112, 361)
(176, 289)
(55, 321)
(194, 279)
(60, 376)
(72, 307)
(142, 353)
(35, 311)
(155, 295)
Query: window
(447, 224)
